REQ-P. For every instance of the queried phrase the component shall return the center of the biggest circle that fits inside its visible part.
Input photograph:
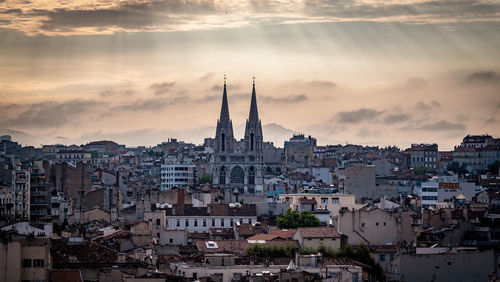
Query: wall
(447, 267)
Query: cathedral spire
(224, 111)
(224, 124)
(253, 117)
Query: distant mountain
(277, 133)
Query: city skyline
(139, 73)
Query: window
(171, 241)
(158, 223)
(38, 263)
(26, 263)
(231, 222)
(355, 277)
(178, 223)
(187, 222)
(381, 257)
(157, 235)
(324, 201)
(335, 201)
(222, 222)
(391, 257)
(376, 223)
(204, 223)
(196, 223)
(213, 222)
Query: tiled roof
(263, 237)
(89, 254)
(65, 276)
(318, 232)
(282, 233)
(225, 210)
(247, 229)
(223, 246)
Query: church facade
(237, 165)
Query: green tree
(420, 170)
(206, 178)
(293, 219)
(458, 168)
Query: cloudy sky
(142, 71)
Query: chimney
(180, 201)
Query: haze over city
(139, 72)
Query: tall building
(237, 165)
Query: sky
(139, 72)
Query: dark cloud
(152, 104)
(427, 106)
(113, 92)
(51, 114)
(396, 118)
(162, 87)
(142, 15)
(61, 138)
(322, 84)
(483, 77)
(440, 8)
(492, 120)
(357, 116)
(442, 125)
(216, 87)
(290, 99)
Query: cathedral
(237, 165)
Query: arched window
(269, 170)
(251, 175)
(222, 175)
(237, 175)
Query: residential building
(177, 174)
(330, 201)
(424, 156)
(314, 237)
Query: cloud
(216, 87)
(395, 118)
(50, 113)
(321, 84)
(151, 104)
(416, 83)
(483, 77)
(290, 99)
(442, 125)
(357, 116)
(105, 17)
(162, 87)
(113, 92)
(207, 76)
(427, 106)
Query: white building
(177, 174)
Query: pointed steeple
(224, 110)
(253, 117)
(224, 124)
(253, 125)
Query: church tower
(237, 165)
(224, 137)
(253, 128)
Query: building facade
(238, 165)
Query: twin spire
(253, 124)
